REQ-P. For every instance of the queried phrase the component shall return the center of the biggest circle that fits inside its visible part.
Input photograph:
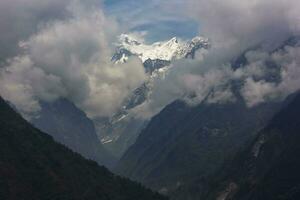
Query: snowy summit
(166, 50)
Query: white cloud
(258, 91)
(71, 58)
(66, 49)
(246, 23)
(236, 26)
(21, 18)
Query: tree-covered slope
(34, 167)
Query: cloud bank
(246, 23)
(237, 26)
(254, 29)
(70, 58)
(61, 49)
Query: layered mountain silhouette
(70, 126)
(186, 144)
(35, 167)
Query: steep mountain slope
(269, 167)
(184, 142)
(34, 167)
(121, 130)
(70, 126)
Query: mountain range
(211, 150)
(186, 144)
(149, 100)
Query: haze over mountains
(194, 99)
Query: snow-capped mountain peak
(157, 59)
(166, 50)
